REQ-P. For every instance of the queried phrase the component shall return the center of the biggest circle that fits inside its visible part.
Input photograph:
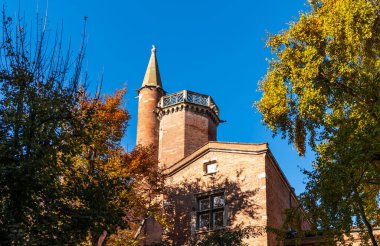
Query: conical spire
(152, 75)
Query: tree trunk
(101, 238)
(366, 222)
(142, 224)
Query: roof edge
(253, 148)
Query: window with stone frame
(211, 212)
(210, 167)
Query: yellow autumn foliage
(322, 89)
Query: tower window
(211, 210)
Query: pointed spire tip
(152, 75)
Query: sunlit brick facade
(211, 185)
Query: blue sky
(212, 47)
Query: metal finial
(153, 48)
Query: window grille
(211, 211)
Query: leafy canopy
(64, 176)
(323, 89)
(326, 72)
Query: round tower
(149, 95)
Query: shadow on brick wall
(182, 208)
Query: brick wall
(182, 132)
(172, 138)
(147, 122)
(243, 177)
(199, 129)
(279, 197)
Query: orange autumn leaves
(108, 118)
(111, 188)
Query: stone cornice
(187, 106)
(152, 87)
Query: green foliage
(35, 102)
(64, 176)
(327, 71)
(292, 227)
(227, 237)
(324, 87)
(222, 237)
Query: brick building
(211, 185)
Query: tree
(38, 87)
(227, 237)
(323, 88)
(64, 176)
(104, 183)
